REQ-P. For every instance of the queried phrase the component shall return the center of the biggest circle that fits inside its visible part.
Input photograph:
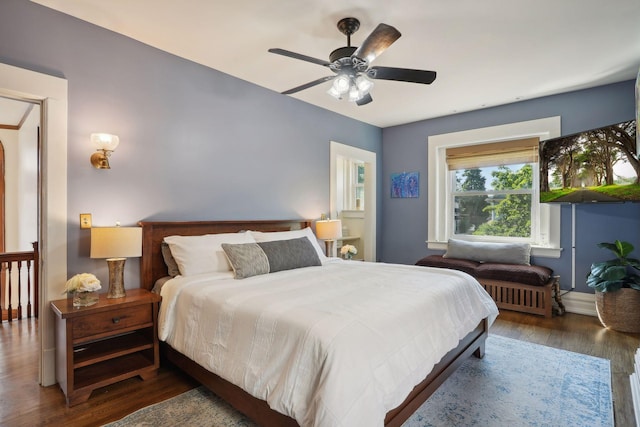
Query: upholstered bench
(513, 286)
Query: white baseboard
(49, 367)
(580, 303)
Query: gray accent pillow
(246, 259)
(290, 254)
(169, 260)
(505, 253)
(252, 259)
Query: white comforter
(336, 345)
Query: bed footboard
(259, 411)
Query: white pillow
(260, 236)
(505, 253)
(203, 254)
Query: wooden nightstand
(108, 342)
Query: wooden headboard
(152, 266)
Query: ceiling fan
(351, 64)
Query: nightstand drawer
(112, 321)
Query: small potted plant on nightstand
(617, 286)
(348, 251)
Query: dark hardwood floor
(24, 403)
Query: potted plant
(617, 286)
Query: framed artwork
(405, 185)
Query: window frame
(440, 215)
(348, 171)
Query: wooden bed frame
(153, 267)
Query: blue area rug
(522, 384)
(516, 384)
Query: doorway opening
(51, 93)
(353, 196)
(19, 177)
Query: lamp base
(116, 277)
(329, 247)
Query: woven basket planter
(619, 310)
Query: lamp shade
(116, 242)
(329, 229)
(105, 141)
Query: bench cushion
(465, 265)
(535, 275)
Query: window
(493, 190)
(353, 193)
(483, 185)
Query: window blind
(493, 154)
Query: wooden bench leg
(559, 305)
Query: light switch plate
(85, 220)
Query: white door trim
(51, 92)
(369, 158)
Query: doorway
(51, 93)
(19, 141)
(358, 217)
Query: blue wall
(195, 143)
(405, 149)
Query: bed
(257, 404)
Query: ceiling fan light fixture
(333, 92)
(341, 84)
(364, 84)
(355, 94)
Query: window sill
(539, 251)
(352, 213)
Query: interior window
(353, 184)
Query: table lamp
(329, 230)
(116, 244)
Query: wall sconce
(329, 230)
(116, 244)
(105, 144)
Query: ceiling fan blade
(364, 100)
(299, 56)
(308, 85)
(402, 75)
(378, 41)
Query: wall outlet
(85, 220)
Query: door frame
(51, 93)
(336, 150)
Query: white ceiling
(486, 53)
(13, 113)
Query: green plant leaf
(594, 282)
(633, 262)
(619, 248)
(598, 268)
(611, 246)
(634, 281)
(614, 273)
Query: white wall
(21, 184)
(27, 201)
(10, 139)
(21, 196)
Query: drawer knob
(116, 320)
